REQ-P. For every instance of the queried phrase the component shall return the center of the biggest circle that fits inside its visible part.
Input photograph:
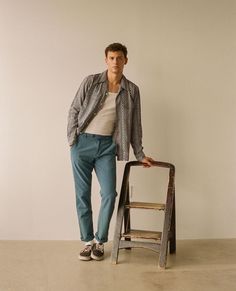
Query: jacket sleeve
(136, 129)
(75, 109)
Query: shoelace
(87, 249)
(99, 247)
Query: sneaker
(85, 254)
(98, 251)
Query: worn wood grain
(144, 234)
(146, 205)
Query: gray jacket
(88, 101)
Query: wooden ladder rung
(145, 234)
(146, 205)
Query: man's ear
(126, 61)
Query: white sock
(89, 243)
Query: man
(104, 119)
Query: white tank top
(103, 123)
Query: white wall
(182, 54)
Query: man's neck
(114, 78)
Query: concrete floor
(199, 265)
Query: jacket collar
(103, 78)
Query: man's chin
(116, 71)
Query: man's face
(115, 62)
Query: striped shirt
(90, 98)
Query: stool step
(146, 205)
(146, 234)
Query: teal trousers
(94, 152)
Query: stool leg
(166, 227)
(127, 223)
(173, 230)
(117, 236)
(120, 214)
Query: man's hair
(114, 47)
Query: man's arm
(74, 111)
(136, 130)
(136, 133)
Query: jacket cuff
(140, 156)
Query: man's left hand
(147, 162)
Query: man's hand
(147, 162)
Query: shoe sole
(85, 258)
(97, 258)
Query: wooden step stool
(160, 240)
